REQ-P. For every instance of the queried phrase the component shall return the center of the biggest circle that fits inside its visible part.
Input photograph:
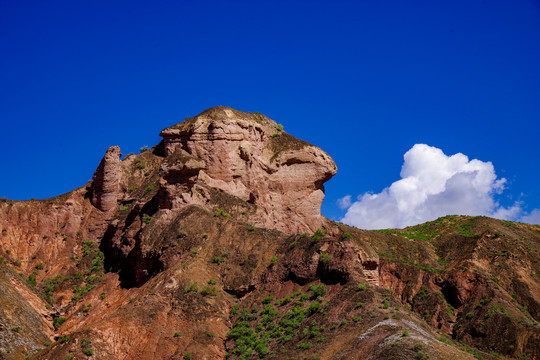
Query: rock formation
(106, 180)
(250, 157)
(211, 245)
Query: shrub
(359, 305)
(148, 189)
(187, 356)
(268, 299)
(63, 339)
(318, 234)
(284, 301)
(483, 302)
(423, 293)
(251, 228)
(234, 310)
(313, 308)
(318, 290)
(221, 212)
(17, 263)
(218, 260)
(176, 334)
(273, 260)
(279, 127)
(32, 279)
(141, 165)
(191, 288)
(79, 292)
(210, 334)
(212, 282)
(469, 315)
(325, 258)
(306, 345)
(50, 286)
(209, 291)
(144, 148)
(40, 266)
(58, 321)
(404, 333)
(418, 347)
(88, 247)
(69, 357)
(16, 329)
(346, 236)
(356, 318)
(147, 219)
(86, 342)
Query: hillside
(211, 245)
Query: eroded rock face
(248, 155)
(179, 173)
(106, 180)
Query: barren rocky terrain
(211, 245)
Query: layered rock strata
(249, 156)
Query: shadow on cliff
(134, 266)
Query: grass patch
(219, 212)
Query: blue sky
(364, 80)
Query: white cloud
(432, 184)
(344, 202)
(532, 218)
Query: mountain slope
(211, 245)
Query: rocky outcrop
(106, 180)
(249, 156)
(175, 253)
(179, 172)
